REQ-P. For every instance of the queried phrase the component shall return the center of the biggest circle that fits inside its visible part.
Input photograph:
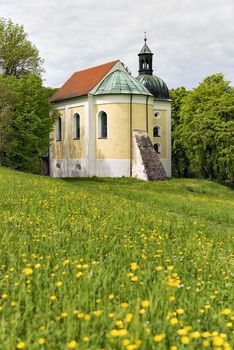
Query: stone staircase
(146, 164)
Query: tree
(17, 54)
(7, 102)
(33, 119)
(180, 162)
(207, 129)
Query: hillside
(115, 264)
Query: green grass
(86, 233)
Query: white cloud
(190, 39)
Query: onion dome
(155, 85)
(120, 82)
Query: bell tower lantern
(145, 60)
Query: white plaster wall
(112, 167)
(68, 168)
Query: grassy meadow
(115, 264)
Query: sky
(190, 39)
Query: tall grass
(115, 264)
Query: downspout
(130, 135)
(147, 115)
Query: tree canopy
(17, 54)
(204, 128)
(26, 116)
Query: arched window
(157, 148)
(102, 125)
(59, 129)
(157, 131)
(76, 126)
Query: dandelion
(226, 311)
(174, 321)
(27, 271)
(124, 305)
(126, 342)
(218, 341)
(97, 313)
(145, 303)
(195, 335)
(4, 296)
(180, 311)
(184, 340)
(172, 298)
(134, 266)
(114, 333)
(20, 345)
(182, 331)
(159, 337)
(134, 278)
(53, 297)
(170, 268)
(159, 268)
(128, 318)
(59, 284)
(122, 332)
(85, 339)
(72, 344)
(41, 341)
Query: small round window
(157, 115)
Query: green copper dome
(155, 85)
(120, 82)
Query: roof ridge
(94, 67)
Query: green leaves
(205, 128)
(17, 54)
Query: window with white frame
(76, 126)
(157, 131)
(157, 115)
(157, 147)
(59, 129)
(102, 125)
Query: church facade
(110, 121)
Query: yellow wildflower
(20, 345)
(134, 278)
(114, 333)
(126, 342)
(122, 332)
(72, 344)
(180, 311)
(159, 337)
(124, 305)
(134, 266)
(184, 340)
(41, 341)
(226, 311)
(27, 271)
(173, 320)
(218, 341)
(145, 303)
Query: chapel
(112, 124)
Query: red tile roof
(82, 82)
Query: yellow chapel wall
(76, 147)
(163, 139)
(117, 144)
(58, 148)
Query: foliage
(17, 54)
(7, 103)
(180, 162)
(107, 262)
(203, 135)
(33, 118)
